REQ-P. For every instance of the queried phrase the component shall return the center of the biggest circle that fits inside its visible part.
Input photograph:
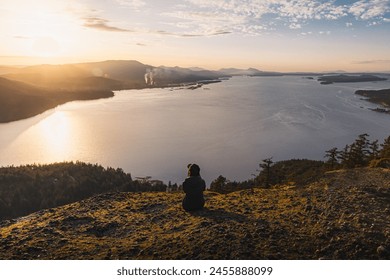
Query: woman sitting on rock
(193, 186)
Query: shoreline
(380, 97)
(50, 99)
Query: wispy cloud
(188, 35)
(21, 37)
(102, 24)
(135, 4)
(377, 61)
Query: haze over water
(227, 128)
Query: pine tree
(218, 185)
(359, 151)
(332, 155)
(385, 152)
(344, 157)
(374, 150)
(266, 166)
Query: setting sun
(45, 29)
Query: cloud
(134, 4)
(369, 9)
(21, 37)
(253, 16)
(189, 35)
(197, 23)
(256, 16)
(294, 9)
(378, 61)
(102, 24)
(325, 32)
(295, 26)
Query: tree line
(29, 188)
(360, 153)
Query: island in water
(326, 80)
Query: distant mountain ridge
(114, 74)
(28, 91)
(248, 72)
(19, 100)
(58, 84)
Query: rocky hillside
(344, 215)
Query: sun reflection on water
(55, 135)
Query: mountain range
(28, 91)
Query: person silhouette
(193, 186)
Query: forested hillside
(29, 188)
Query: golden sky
(278, 35)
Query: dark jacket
(193, 187)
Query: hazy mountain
(112, 74)
(248, 72)
(20, 100)
(109, 74)
(130, 72)
(8, 69)
(27, 91)
(163, 76)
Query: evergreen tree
(332, 155)
(385, 152)
(219, 184)
(374, 150)
(360, 152)
(266, 166)
(343, 156)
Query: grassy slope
(342, 216)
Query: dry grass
(345, 215)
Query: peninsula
(381, 97)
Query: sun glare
(42, 28)
(46, 46)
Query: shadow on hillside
(219, 215)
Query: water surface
(227, 128)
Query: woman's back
(193, 186)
